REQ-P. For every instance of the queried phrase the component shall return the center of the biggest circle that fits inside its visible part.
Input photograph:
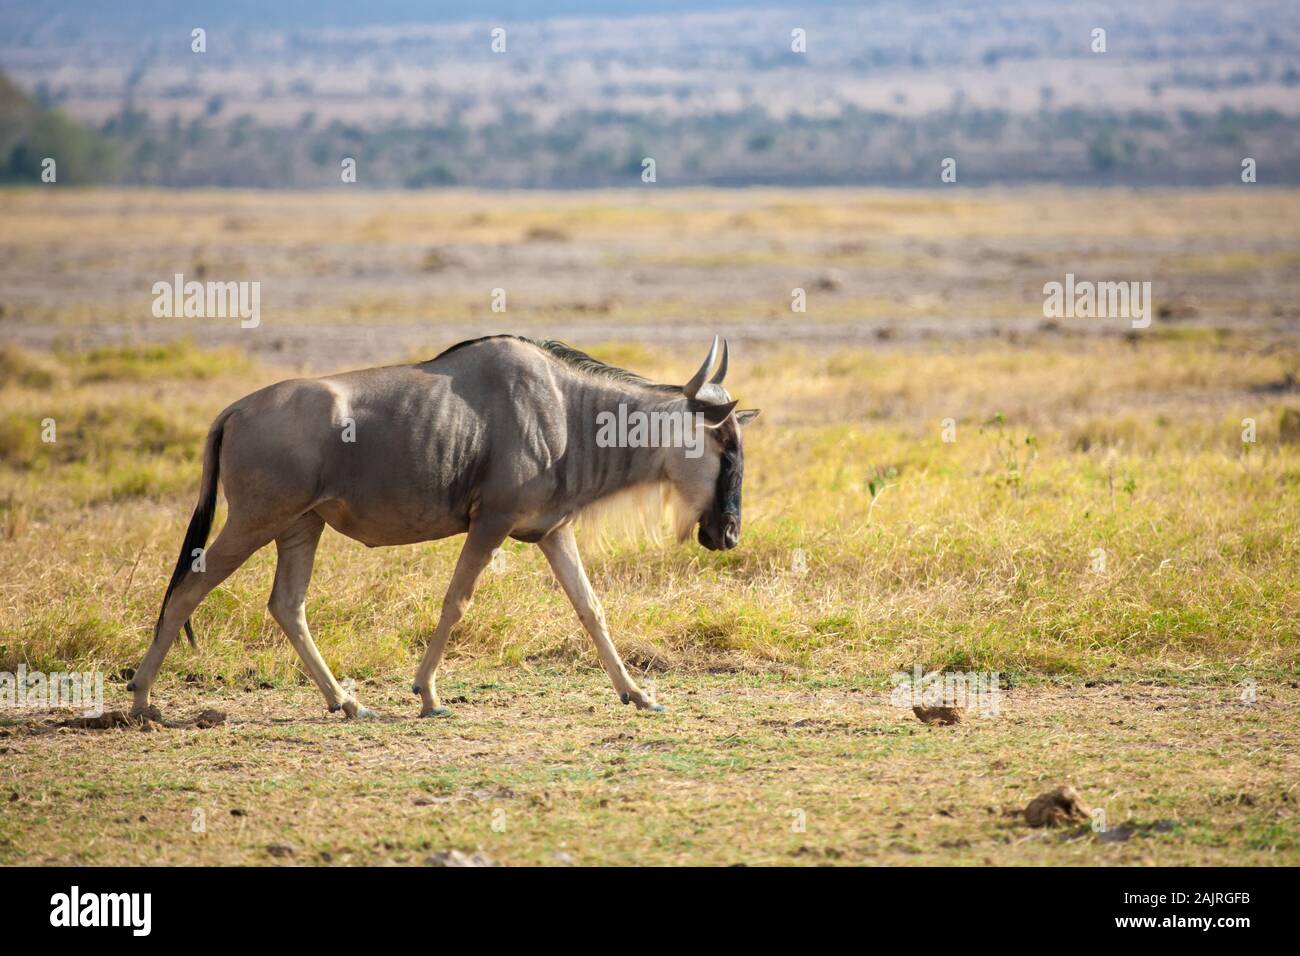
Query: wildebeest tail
(196, 535)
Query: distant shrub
(22, 368)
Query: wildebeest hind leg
(232, 547)
(561, 550)
(295, 555)
(484, 537)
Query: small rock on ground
(459, 858)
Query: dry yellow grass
(975, 552)
(127, 218)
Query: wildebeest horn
(697, 380)
(721, 373)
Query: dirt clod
(150, 720)
(941, 716)
(1057, 807)
(203, 721)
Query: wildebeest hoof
(436, 712)
(131, 686)
(415, 688)
(642, 702)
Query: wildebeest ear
(715, 415)
(745, 416)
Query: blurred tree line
(30, 132)
(587, 149)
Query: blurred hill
(711, 90)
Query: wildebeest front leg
(561, 550)
(484, 537)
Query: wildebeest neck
(621, 436)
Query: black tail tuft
(196, 535)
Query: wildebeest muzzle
(720, 525)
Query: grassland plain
(363, 276)
(1097, 532)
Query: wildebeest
(497, 437)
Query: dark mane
(575, 358)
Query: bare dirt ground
(546, 767)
